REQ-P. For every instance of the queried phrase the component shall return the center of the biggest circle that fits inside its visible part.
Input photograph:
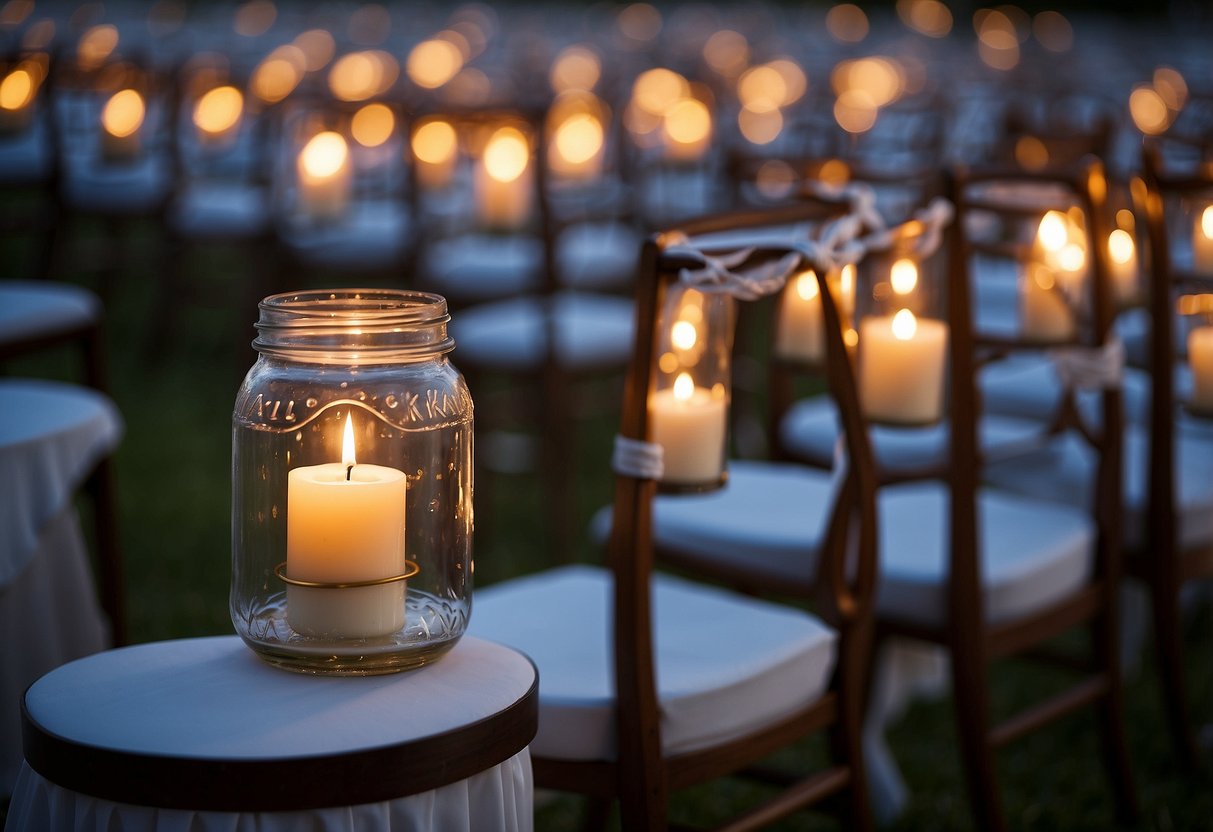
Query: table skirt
(497, 800)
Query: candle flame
(1052, 232)
(683, 335)
(1120, 246)
(846, 280)
(806, 285)
(579, 138)
(507, 155)
(16, 90)
(219, 110)
(904, 325)
(1206, 222)
(434, 142)
(324, 155)
(373, 124)
(684, 387)
(347, 443)
(123, 113)
(904, 276)
(1072, 258)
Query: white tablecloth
(31, 308)
(213, 699)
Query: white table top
(209, 712)
(51, 436)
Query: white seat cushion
(598, 255)
(1062, 472)
(810, 429)
(220, 210)
(725, 664)
(770, 518)
(592, 331)
(1033, 553)
(32, 308)
(138, 187)
(477, 267)
(375, 235)
(1026, 385)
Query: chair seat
(1061, 472)
(27, 157)
(220, 210)
(373, 236)
(1027, 386)
(810, 429)
(597, 255)
(725, 664)
(1033, 553)
(478, 267)
(139, 187)
(592, 331)
(32, 309)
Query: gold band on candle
(410, 569)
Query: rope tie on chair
(639, 459)
(717, 273)
(1090, 368)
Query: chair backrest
(847, 564)
(1168, 189)
(992, 192)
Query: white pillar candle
(324, 177)
(1044, 314)
(503, 181)
(798, 329)
(575, 153)
(1200, 359)
(435, 151)
(121, 118)
(901, 367)
(344, 524)
(1202, 241)
(1122, 258)
(689, 423)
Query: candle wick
(349, 470)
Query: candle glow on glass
(904, 276)
(434, 146)
(373, 124)
(121, 118)
(503, 180)
(433, 62)
(218, 112)
(577, 144)
(1122, 256)
(798, 332)
(324, 177)
(1202, 241)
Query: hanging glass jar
(689, 399)
(352, 484)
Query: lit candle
(576, 149)
(842, 289)
(345, 524)
(687, 129)
(799, 326)
(324, 177)
(1045, 316)
(1058, 247)
(901, 367)
(503, 181)
(435, 151)
(121, 119)
(1200, 359)
(1202, 242)
(689, 422)
(217, 115)
(1122, 257)
(16, 100)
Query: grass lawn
(174, 476)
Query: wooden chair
(981, 574)
(675, 649)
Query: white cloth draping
(211, 698)
(31, 308)
(49, 614)
(497, 800)
(51, 436)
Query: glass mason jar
(689, 400)
(352, 484)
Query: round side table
(199, 733)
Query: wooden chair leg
(103, 491)
(1168, 644)
(1111, 710)
(846, 736)
(970, 685)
